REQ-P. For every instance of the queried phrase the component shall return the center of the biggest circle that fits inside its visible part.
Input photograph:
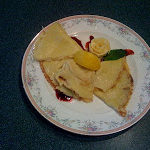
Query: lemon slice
(87, 60)
(99, 46)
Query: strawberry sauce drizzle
(62, 97)
(129, 52)
(78, 41)
(88, 43)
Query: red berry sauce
(78, 41)
(88, 43)
(62, 97)
(129, 52)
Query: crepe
(107, 75)
(118, 96)
(69, 78)
(50, 68)
(54, 44)
(77, 79)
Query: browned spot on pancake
(61, 78)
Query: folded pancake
(108, 74)
(54, 44)
(118, 96)
(77, 79)
(50, 68)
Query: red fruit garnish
(129, 52)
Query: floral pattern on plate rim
(90, 127)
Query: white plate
(93, 118)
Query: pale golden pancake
(118, 96)
(108, 74)
(77, 79)
(50, 68)
(69, 78)
(54, 44)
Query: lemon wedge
(87, 60)
(99, 46)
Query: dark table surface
(21, 126)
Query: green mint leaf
(114, 54)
